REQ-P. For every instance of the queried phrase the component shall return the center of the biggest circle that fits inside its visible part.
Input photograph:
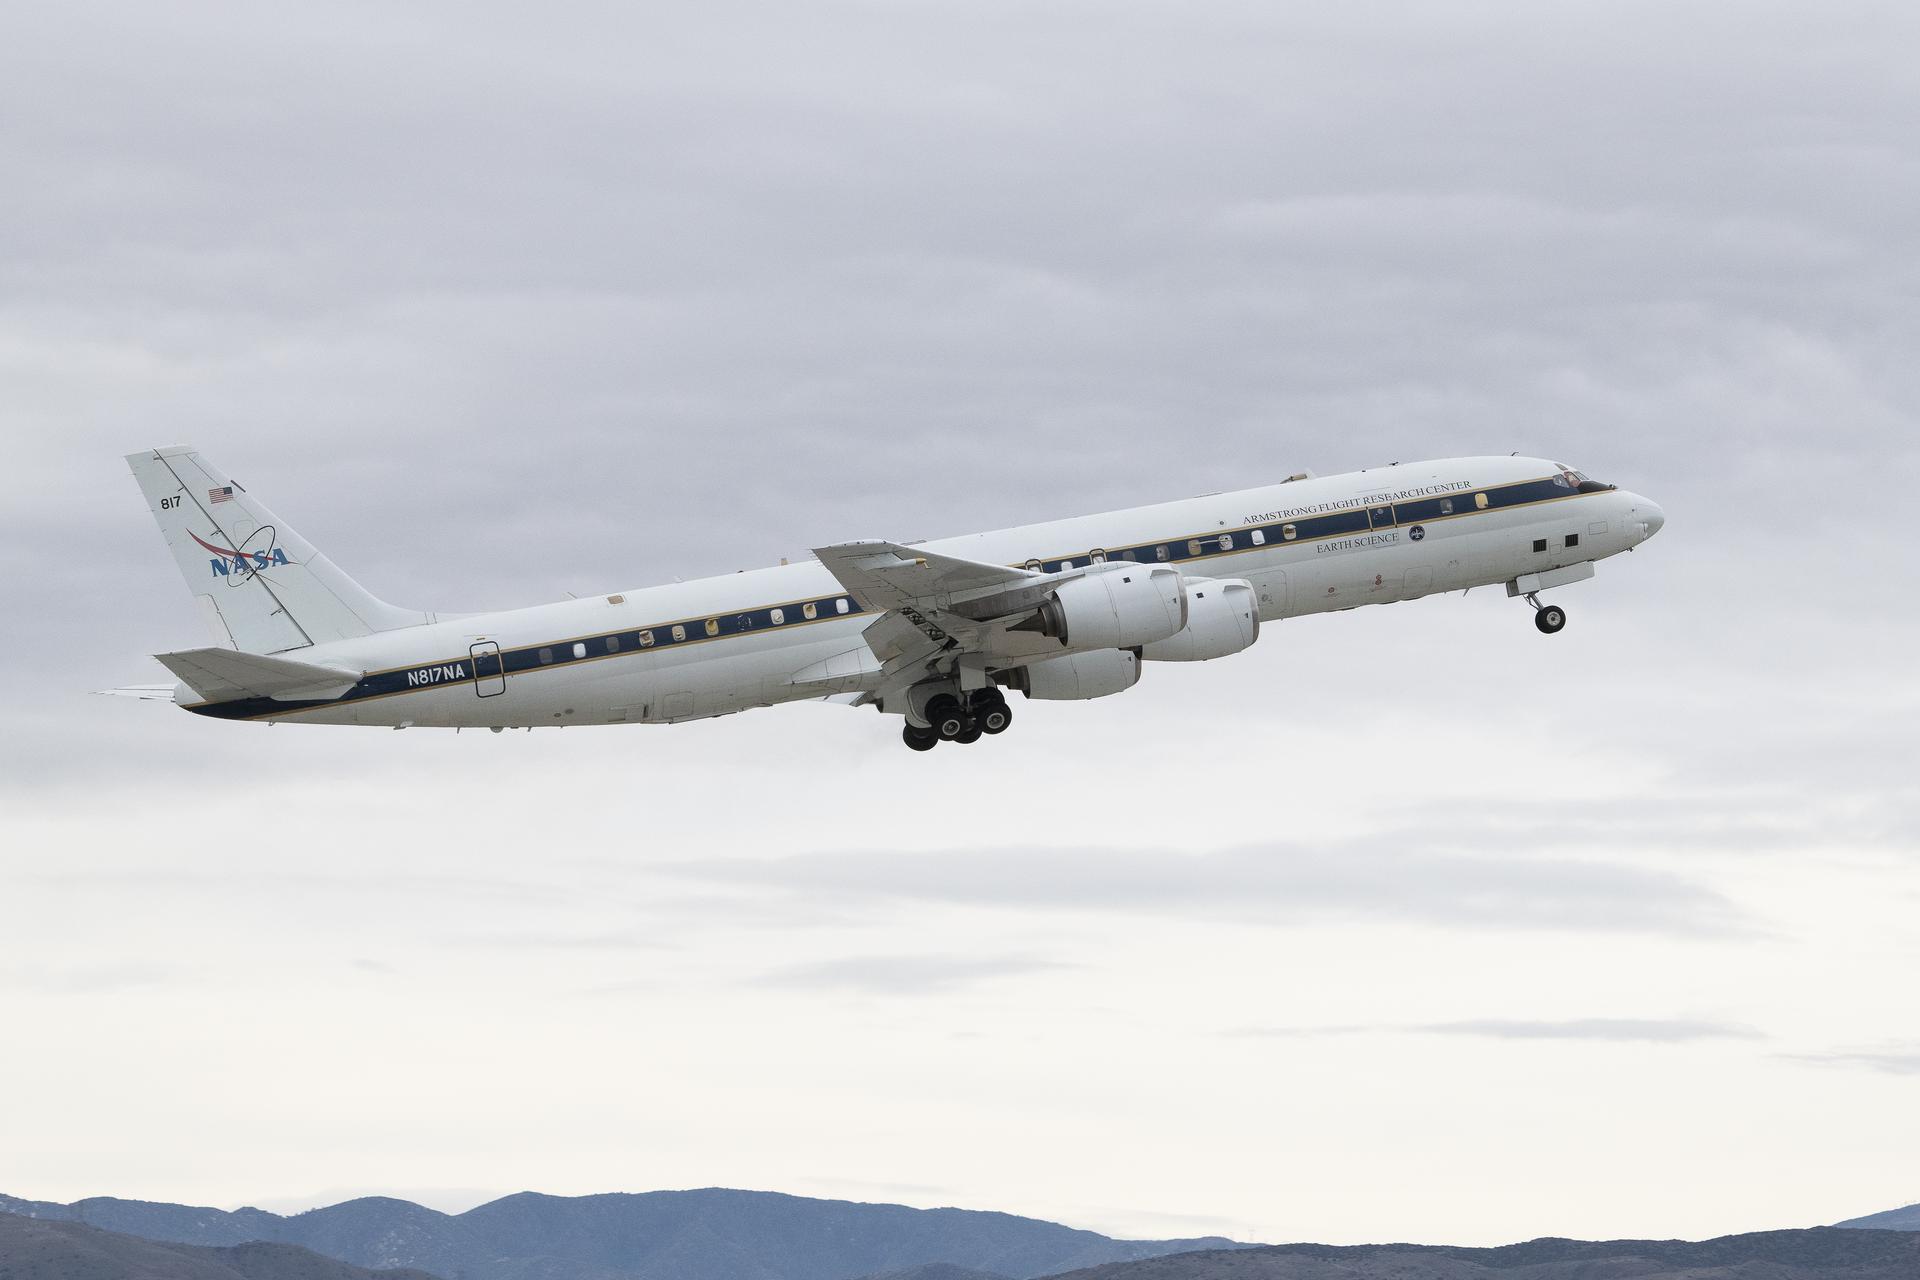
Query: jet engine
(1122, 608)
(1077, 677)
(1223, 617)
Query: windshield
(1568, 478)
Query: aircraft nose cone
(1651, 516)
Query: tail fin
(261, 587)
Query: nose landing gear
(1548, 617)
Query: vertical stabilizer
(261, 587)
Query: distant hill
(1907, 1219)
(1823, 1253)
(36, 1249)
(660, 1235)
(936, 1271)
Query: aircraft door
(489, 672)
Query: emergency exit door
(489, 672)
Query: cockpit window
(1578, 481)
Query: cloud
(1645, 1030)
(1629, 1030)
(1389, 878)
(906, 975)
(1899, 1062)
(83, 980)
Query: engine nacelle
(1123, 608)
(1223, 617)
(1077, 677)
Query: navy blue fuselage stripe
(560, 653)
(527, 658)
(1334, 524)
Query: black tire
(994, 717)
(967, 736)
(948, 718)
(919, 739)
(1550, 618)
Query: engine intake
(1124, 608)
(1223, 617)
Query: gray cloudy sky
(1409, 924)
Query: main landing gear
(985, 711)
(1548, 617)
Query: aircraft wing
(934, 605)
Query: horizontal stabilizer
(221, 675)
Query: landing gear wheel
(990, 710)
(1550, 618)
(919, 739)
(968, 735)
(948, 718)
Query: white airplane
(933, 632)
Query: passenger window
(613, 644)
(1226, 542)
(840, 605)
(1035, 565)
(779, 616)
(646, 639)
(713, 626)
(1067, 563)
(809, 610)
(1259, 538)
(1161, 552)
(1446, 506)
(1096, 556)
(579, 650)
(1193, 546)
(1539, 544)
(679, 632)
(546, 657)
(1480, 501)
(1288, 532)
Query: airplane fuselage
(752, 639)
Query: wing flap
(935, 607)
(890, 575)
(221, 675)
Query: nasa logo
(1417, 532)
(237, 564)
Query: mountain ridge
(1815, 1253)
(1906, 1218)
(711, 1233)
(46, 1249)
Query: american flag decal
(223, 494)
